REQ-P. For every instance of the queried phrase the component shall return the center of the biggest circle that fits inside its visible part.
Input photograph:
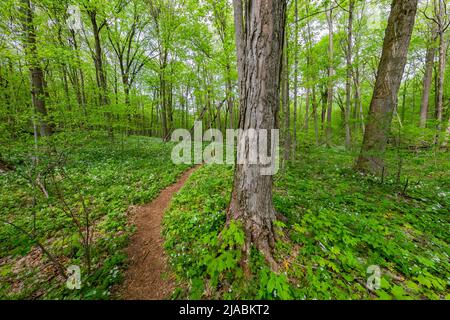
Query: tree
(330, 88)
(259, 30)
(163, 13)
(97, 52)
(390, 72)
(443, 23)
(447, 135)
(296, 67)
(126, 37)
(222, 11)
(427, 80)
(38, 84)
(285, 101)
(348, 84)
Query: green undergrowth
(341, 227)
(105, 177)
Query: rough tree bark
(259, 31)
(390, 73)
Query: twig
(57, 264)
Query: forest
(96, 95)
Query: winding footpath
(148, 276)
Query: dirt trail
(147, 277)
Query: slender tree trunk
(163, 103)
(316, 121)
(66, 87)
(441, 67)
(324, 99)
(307, 77)
(307, 108)
(82, 93)
(390, 73)
(163, 93)
(286, 102)
(447, 135)
(38, 85)
(356, 71)
(427, 81)
(330, 89)
(403, 110)
(98, 60)
(126, 89)
(170, 107)
(348, 85)
(296, 66)
(259, 29)
(186, 114)
(230, 102)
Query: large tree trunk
(390, 73)
(38, 85)
(259, 28)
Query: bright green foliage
(340, 223)
(111, 177)
(168, 63)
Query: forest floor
(109, 178)
(340, 224)
(148, 276)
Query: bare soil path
(148, 276)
